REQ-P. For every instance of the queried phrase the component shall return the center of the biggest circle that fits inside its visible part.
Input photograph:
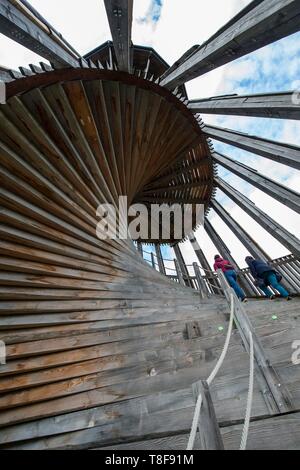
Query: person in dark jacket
(266, 276)
(230, 275)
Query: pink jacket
(221, 264)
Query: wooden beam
(19, 22)
(156, 200)
(219, 244)
(248, 242)
(225, 253)
(160, 260)
(204, 264)
(274, 189)
(119, 13)
(276, 151)
(259, 24)
(269, 105)
(5, 75)
(182, 266)
(180, 187)
(179, 172)
(210, 435)
(287, 239)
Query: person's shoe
(289, 298)
(272, 297)
(245, 300)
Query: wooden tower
(101, 349)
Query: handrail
(233, 299)
(288, 266)
(213, 374)
(250, 396)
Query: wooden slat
(261, 23)
(269, 105)
(20, 23)
(119, 13)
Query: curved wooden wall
(87, 321)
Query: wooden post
(179, 273)
(140, 248)
(160, 260)
(153, 261)
(278, 191)
(252, 246)
(210, 436)
(204, 292)
(182, 266)
(245, 33)
(23, 24)
(119, 14)
(204, 264)
(287, 239)
(269, 105)
(225, 253)
(276, 151)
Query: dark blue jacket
(259, 267)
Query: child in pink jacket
(230, 275)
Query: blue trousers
(232, 279)
(272, 280)
(266, 291)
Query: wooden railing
(208, 284)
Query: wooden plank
(262, 435)
(21, 24)
(119, 15)
(275, 151)
(281, 193)
(269, 105)
(249, 243)
(257, 25)
(273, 227)
(210, 436)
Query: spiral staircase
(102, 350)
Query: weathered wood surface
(281, 193)
(119, 13)
(252, 246)
(276, 151)
(101, 348)
(261, 437)
(87, 323)
(208, 427)
(258, 24)
(272, 226)
(269, 105)
(19, 22)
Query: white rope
(210, 379)
(250, 397)
(193, 433)
(225, 349)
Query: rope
(250, 397)
(225, 349)
(193, 433)
(215, 287)
(210, 379)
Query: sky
(172, 27)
